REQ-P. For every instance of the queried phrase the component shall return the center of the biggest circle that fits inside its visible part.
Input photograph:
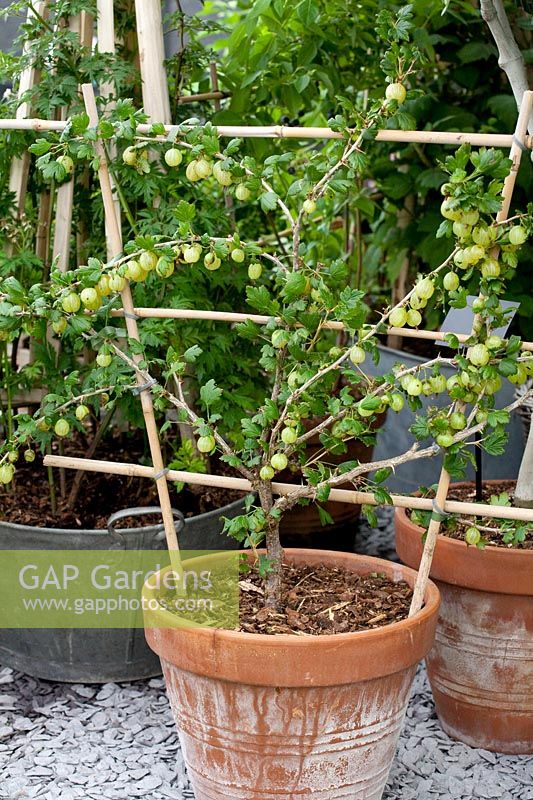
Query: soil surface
(29, 503)
(323, 600)
(492, 530)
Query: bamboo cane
(82, 25)
(444, 479)
(105, 32)
(214, 83)
(440, 336)
(42, 232)
(156, 101)
(18, 175)
(198, 98)
(262, 319)
(158, 470)
(106, 44)
(282, 132)
(282, 489)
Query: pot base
(264, 743)
(480, 669)
(481, 665)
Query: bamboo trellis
(285, 132)
(263, 319)
(517, 142)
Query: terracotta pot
(269, 717)
(302, 526)
(481, 665)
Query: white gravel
(116, 742)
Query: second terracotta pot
(294, 717)
(481, 665)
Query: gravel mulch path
(116, 742)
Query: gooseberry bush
(314, 333)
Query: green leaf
(259, 298)
(420, 428)
(382, 474)
(264, 566)
(13, 288)
(40, 147)
(322, 494)
(513, 345)
(80, 324)
(145, 242)
(325, 517)
(106, 129)
(444, 229)
(302, 82)
(507, 366)
(503, 106)
(452, 340)
(351, 310)
(475, 51)
(269, 201)
(383, 498)
(370, 514)
(210, 393)
(397, 185)
(495, 443)
(79, 123)
(498, 417)
(192, 353)
(271, 411)
(185, 212)
(308, 12)
(370, 403)
(251, 429)
(295, 285)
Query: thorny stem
(284, 503)
(383, 387)
(342, 358)
(180, 403)
(76, 401)
(78, 477)
(51, 485)
(413, 454)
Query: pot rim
(496, 570)
(104, 531)
(512, 552)
(430, 600)
(239, 656)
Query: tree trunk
(274, 551)
(524, 485)
(510, 59)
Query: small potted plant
(480, 666)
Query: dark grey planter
(99, 655)
(394, 437)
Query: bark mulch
(323, 600)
